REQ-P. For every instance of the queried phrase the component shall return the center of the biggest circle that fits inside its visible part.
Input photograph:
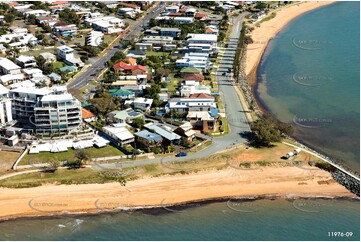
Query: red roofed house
(201, 96)
(194, 77)
(131, 61)
(130, 5)
(88, 116)
(200, 16)
(133, 69)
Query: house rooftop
(145, 134)
(85, 113)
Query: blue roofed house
(148, 139)
(169, 137)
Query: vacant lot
(7, 159)
(44, 157)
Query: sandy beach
(165, 190)
(269, 29)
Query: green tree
(69, 16)
(31, 19)
(9, 18)
(138, 122)
(82, 155)
(265, 131)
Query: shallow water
(309, 77)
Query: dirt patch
(7, 159)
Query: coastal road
(238, 124)
(100, 63)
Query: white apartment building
(67, 54)
(94, 38)
(57, 113)
(5, 107)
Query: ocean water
(309, 77)
(231, 220)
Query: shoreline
(179, 207)
(170, 191)
(263, 38)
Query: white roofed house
(186, 130)
(143, 104)
(195, 102)
(49, 57)
(120, 134)
(202, 39)
(19, 39)
(35, 75)
(8, 67)
(106, 24)
(26, 61)
(37, 13)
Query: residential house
(87, 115)
(37, 13)
(179, 20)
(169, 137)
(186, 130)
(193, 87)
(106, 24)
(148, 139)
(172, 9)
(144, 46)
(202, 39)
(65, 30)
(26, 61)
(120, 134)
(125, 116)
(201, 16)
(54, 77)
(49, 57)
(127, 12)
(122, 93)
(133, 69)
(8, 67)
(130, 5)
(190, 12)
(171, 32)
(195, 102)
(206, 121)
(141, 103)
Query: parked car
(181, 154)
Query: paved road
(234, 111)
(100, 63)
